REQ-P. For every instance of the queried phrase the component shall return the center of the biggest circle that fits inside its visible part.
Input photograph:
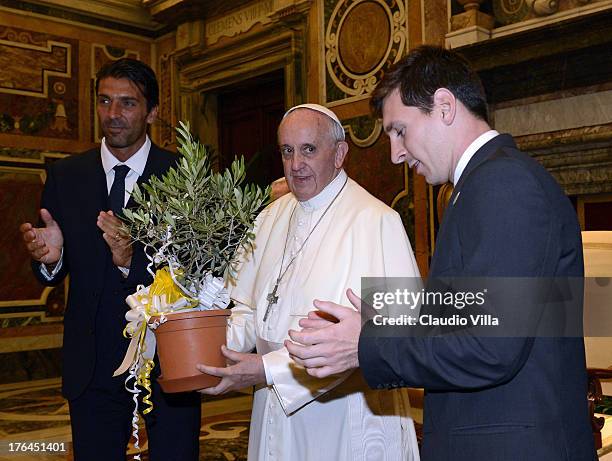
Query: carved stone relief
(581, 168)
(362, 39)
(239, 21)
(512, 11)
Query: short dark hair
(423, 71)
(136, 71)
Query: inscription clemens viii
(239, 21)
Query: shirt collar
(470, 151)
(136, 162)
(327, 194)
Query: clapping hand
(116, 238)
(43, 243)
(326, 347)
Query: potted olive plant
(193, 224)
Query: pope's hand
(116, 238)
(245, 370)
(327, 348)
(43, 243)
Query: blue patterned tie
(116, 197)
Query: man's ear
(341, 151)
(446, 104)
(152, 115)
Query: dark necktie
(116, 197)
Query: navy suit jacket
(75, 192)
(505, 399)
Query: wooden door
(249, 114)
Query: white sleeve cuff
(44, 269)
(240, 333)
(269, 380)
(293, 386)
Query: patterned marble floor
(35, 411)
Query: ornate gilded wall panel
(22, 299)
(364, 131)
(362, 39)
(20, 191)
(38, 84)
(166, 107)
(46, 78)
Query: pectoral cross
(272, 299)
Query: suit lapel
(99, 193)
(95, 192)
(483, 154)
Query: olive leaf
(199, 219)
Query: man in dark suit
(487, 398)
(81, 236)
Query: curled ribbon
(149, 307)
(161, 297)
(212, 294)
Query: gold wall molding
(12, 173)
(131, 12)
(362, 39)
(37, 158)
(167, 101)
(359, 139)
(52, 57)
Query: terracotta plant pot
(186, 339)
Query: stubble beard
(122, 140)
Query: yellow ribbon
(162, 296)
(163, 284)
(144, 380)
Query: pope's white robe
(295, 417)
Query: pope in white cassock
(312, 244)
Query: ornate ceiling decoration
(174, 12)
(131, 12)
